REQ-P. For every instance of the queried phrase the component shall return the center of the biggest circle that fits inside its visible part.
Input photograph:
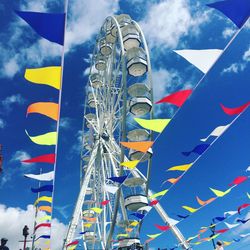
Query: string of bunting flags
(50, 26)
(209, 58)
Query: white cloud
(10, 101)
(246, 56)
(169, 21)
(12, 221)
(2, 123)
(228, 32)
(65, 123)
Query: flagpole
(35, 223)
(59, 110)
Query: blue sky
(168, 25)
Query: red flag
(49, 158)
(104, 203)
(162, 228)
(177, 98)
(238, 180)
(235, 111)
(154, 202)
(243, 206)
(222, 231)
(73, 243)
(42, 225)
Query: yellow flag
(219, 193)
(197, 243)
(44, 218)
(130, 164)
(45, 139)
(191, 238)
(134, 223)
(72, 247)
(122, 235)
(183, 168)
(214, 237)
(156, 125)
(153, 236)
(158, 194)
(96, 209)
(48, 75)
(43, 198)
(88, 225)
(190, 209)
(227, 243)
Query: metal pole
(212, 228)
(24, 242)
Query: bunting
(44, 218)
(200, 149)
(243, 221)
(48, 139)
(237, 11)
(48, 158)
(177, 98)
(104, 203)
(42, 225)
(119, 179)
(45, 209)
(96, 210)
(235, 111)
(43, 198)
(163, 192)
(50, 76)
(142, 146)
(238, 180)
(162, 228)
(48, 25)
(203, 203)
(243, 206)
(153, 236)
(230, 226)
(130, 164)
(46, 188)
(201, 59)
(111, 189)
(157, 125)
(190, 209)
(183, 168)
(216, 132)
(43, 237)
(138, 215)
(42, 177)
(219, 193)
(73, 243)
(49, 109)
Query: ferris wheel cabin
(129, 244)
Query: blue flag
(200, 149)
(138, 215)
(48, 25)
(43, 237)
(119, 179)
(236, 10)
(182, 216)
(218, 219)
(48, 188)
(243, 221)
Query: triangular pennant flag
(202, 203)
(177, 98)
(122, 235)
(119, 179)
(153, 202)
(235, 111)
(243, 206)
(199, 149)
(134, 223)
(248, 195)
(221, 231)
(218, 218)
(214, 237)
(219, 193)
(190, 209)
(129, 230)
(183, 168)
(182, 216)
(237, 11)
(238, 180)
(162, 228)
(192, 238)
(72, 243)
(49, 158)
(43, 198)
(130, 164)
(138, 215)
(48, 75)
(227, 243)
(202, 59)
(48, 25)
(42, 177)
(230, 213)
(48, 139)
(142, 146)
(157, 125)
(88, 225)
(153, 236)
(111, 189)
(174, 180)
(230, 226)
(45, 209)
(43, 237)
(44, 218)
(145, 208)
(42, 225)
(243, 221)
(217, 132)
(244, 235)
(49, 109)
(172, 222)
(248, 169)
(89, 219)
(104, 203)
(46, 188)
(158, 194)
(96, 210)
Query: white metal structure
(119, 87)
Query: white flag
(230, 226)
(202, 59)
(42, 177)
(230, 213)
(111, 189)
(172, 222)
(248, 169)
(217, 132)
(244, 235)
(145, 208)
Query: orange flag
(49, 109)
(141, 146)
(202, 203)
(45, 208)
(174, 180)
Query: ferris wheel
(119, 89)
